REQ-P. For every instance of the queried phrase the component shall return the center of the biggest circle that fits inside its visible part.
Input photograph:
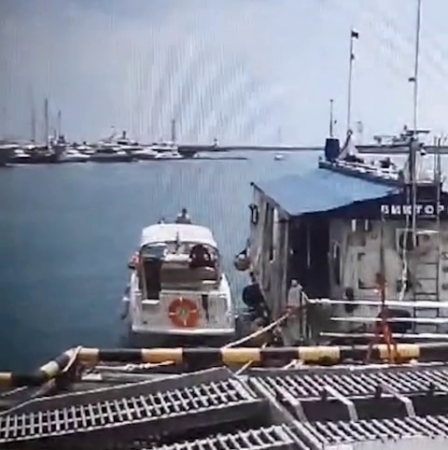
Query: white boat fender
(294, 298)
(242, 261)
(134, 261)
(126, 302)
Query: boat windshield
(170, 249)
(173, 266)
(183, 277)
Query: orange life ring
(183, 313)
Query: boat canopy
(172, 232)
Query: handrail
(392, 303)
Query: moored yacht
(35, 156)
(84, 148)
(394, 143)
(71, 155)
(19, 156)
(146, 153)
(110, 154)
(178, 293)
(174, 154)
(127, 144)
(163, 147)
(7, 151)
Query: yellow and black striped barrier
(325, 355)
(205, 356)
(45, 373)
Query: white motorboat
(165, 147)
(107, 146)
(178, 293)
(7, 152)
(85, 149)
(71, 155)
(9, 147)
(145, 154)
(20, 156)
(279, 157)
(127, 144)
(111, 154)
(169, 155)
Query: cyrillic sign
(427, 209)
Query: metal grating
(416, 443)
(148, 409)
(277, 437)
(305, 384)
(322, 434)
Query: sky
(242, 71)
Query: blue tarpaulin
(321, 190)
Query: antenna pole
(46, 125)
(33, 117)
(353, 35)
(173, 131)
(59, 124)
(331, 117)
(416, 65)
(414, 145)
(438, 184)
(350, 75)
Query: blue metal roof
(321, 190)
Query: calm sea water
(67, 231)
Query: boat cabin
(177, 257)
(340, 229)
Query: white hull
(145, 155)
(186, 305)
(164, 148)
(168, 156)
(147, 328)
(388, 149)
(74, 159)
(149, 339)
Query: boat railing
(375, 173)
(390, 172)
(362, 320)
(301, 315)
(365, 171)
